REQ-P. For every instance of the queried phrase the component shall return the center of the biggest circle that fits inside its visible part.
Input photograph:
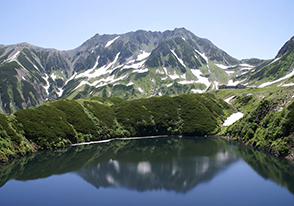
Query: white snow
(180, 60)
(230, 72)
(164, 78)
(233, 118)
(229, 99)
(288, 85)
(197, 73)
(140, 70)
(273, 82)
(246, 65)
(222, 66)
(59, 93)
(274, 61)
(232, 83)
(140, 90)
(197, 91)
(90, 72)
(53, 76)
(135, 65)
(111, 41)
(247, 68)
(203, 56)
(174, 76)
(186, 82)
(165, 70)
(130, 84)
(169, 84)
(14, 57)
(47, 82)
(142, 56)
(119, 139)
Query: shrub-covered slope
(63, 122)
(268, 119)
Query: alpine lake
(167, 170)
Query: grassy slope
(63, 122)
(268, 118)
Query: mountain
(274, 72)
(132, 65)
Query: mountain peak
(288, 46)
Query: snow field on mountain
(233, 118)
(278, 80)
(111, 41)
(229, 99)
(47, 83)
(142, 56)
(197, 73)
(180, 60)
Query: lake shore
(289, 157)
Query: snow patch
(229, 99)
(14, 57)
(53, 76)
(180, 60)
(186, 82)
(47, 82)
(197, 73)
(233, 118)
(135, 65)
(140, 70)
(203, 56)
(232, 83)
(130, 84)
(60, 91)
(222, 66)
(197, 91)
(174, 76)
(246, 65)
(274, 61)
(140, 90)
(288, 85)
(273, 82)
(142, 56)
(111, 41)
(230, 72)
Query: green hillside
(64, 122)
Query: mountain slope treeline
(64, 122)
(268, 119)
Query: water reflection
(173, 163)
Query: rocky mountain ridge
(133, 65)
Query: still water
(155, 171)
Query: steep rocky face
(132, 65)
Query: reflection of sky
(238, 185)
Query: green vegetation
(268, 118)
(63, 122)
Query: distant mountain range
(132, 65)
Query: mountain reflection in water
(168, 163)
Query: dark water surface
(157, 171)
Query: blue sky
(244, 29)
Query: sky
(243, 29)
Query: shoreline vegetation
(65, 122)
(267, 124)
